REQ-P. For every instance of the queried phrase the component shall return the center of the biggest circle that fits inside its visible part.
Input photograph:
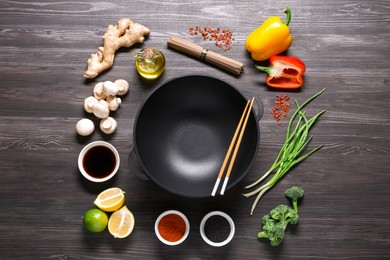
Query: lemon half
(121, 223)
(110, 200)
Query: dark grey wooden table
(44, 46)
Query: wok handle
(258, 106)
(136, 167)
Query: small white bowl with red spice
(172, 227)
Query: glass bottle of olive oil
(150, 63)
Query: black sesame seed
(217, 228)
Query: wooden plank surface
(44, 46)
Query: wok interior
(184, 130)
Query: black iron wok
(182, 133)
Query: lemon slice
(110, 200)
(121, 223)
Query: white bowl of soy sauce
(98, 161)
(217, 228)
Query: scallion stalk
(291, 152)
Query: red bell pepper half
(284, 72)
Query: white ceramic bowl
(86, 149)
(187, 231)
(230, 221)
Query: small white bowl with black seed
(217, 228)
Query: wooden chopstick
(239, 131)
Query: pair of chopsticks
(239, 132)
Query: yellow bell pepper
(271, 38)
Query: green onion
(291, 152)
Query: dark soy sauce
(99, 161)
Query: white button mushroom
(123, 86)
(100, 109)
(98, 91)
(108, 125)
(89, 102)
(85, 127)
(110, 89)
(113, 103)
(103, 101)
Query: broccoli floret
(285, 215)
(294, 193)
(276, 222)
(273, 231)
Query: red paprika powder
(172, 227)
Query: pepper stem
(287, 11)
(264, 69)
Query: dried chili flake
(223, 37)
(280, 108)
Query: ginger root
(124, 34)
